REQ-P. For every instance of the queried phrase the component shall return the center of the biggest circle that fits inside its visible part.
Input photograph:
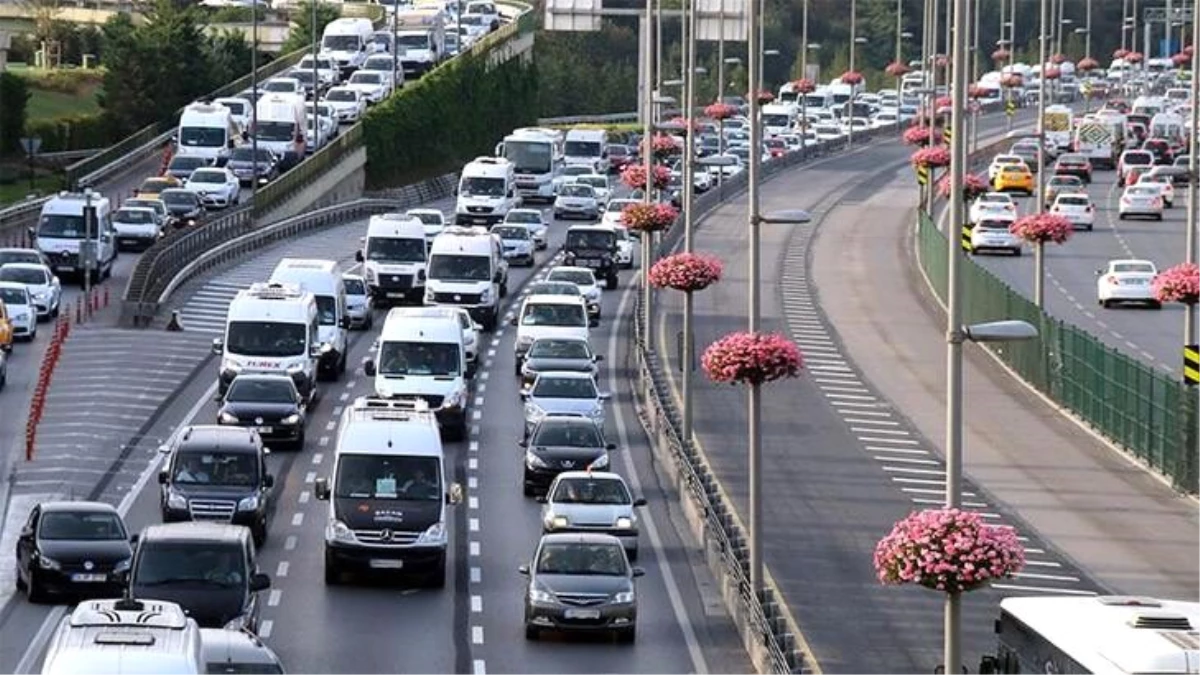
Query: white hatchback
(1076, 208)
(1127, 281)
(1164, 184)
(44, 288)
(992, 234)
(1002, 161)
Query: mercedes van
(323, 279)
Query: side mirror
(218, 346)
(498, 278)
(604, 396)
(640, 501)
(524, 394)
(523, 570)
(1099, 272)
(164, 449)
(259, 582)
(133, 539)
(638, 572)
(541, 499)
(32, 233)
(610, 446)
(358, 256)
(321, 489)
(513, 321)
(455, 495)
(522, 443)
(476, 327)
(369, 368)
(163, 477)
(598, 358)
(268, 481)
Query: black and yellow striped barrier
(1010, 108)
(966, 238)
(923, 175)
(1191, 364)
(947, 134)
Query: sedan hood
(103, 553)
(542, 364)
(251, 410)
(597, 515)
(568, 458)
(210, 605)
(584, 583)
(578, 406)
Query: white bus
(1105, 635)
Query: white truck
(207, 130)
(63, 232)
(280, 126)
(536, 155)
(1097, 141)
(1056, 125)
(778, 118)
(421, 37)
(348, 42)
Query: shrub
(65, 80)
(75, 132)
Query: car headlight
(19, 316)
(436, 534)
(231, 366)
(623, 598)
(486, 296)
(524, 341)
(41, 295)
(534, 412)
(555, 522)
(428, 295)
(227, 418)
(291, 419)
(336, 530)
(600, 462)
(48, 563)
(533, 461)
(624, 523)
(122, 565)
(597, 412)
(540, 596)
(176, 500)
(454, 400)
(249, 503)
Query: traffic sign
(947, 135)
(966, 237)
(923, 175)
(31, 145)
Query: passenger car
(243, 165)
(558, 354)
(154, 186)
(992, 234)
(568, 174)
(136, 227)
(580, 582)
(182, 166)
(1014, 177)
(1076, 208)
(75, 548)
(1141, 200)
(991, 204)
(433, 220)
(1074, 165)
(562, 443)
(582, 277)
(1127, 281)
(1001, 161)
(269, 404)
(184, 207)
(518, 244)
(1132, 158)
(531, 218)
(563, 393)
(576, 200)
(22, 314)
(44, 288)
(1063, 185)
(1165, 184)
(360, 307)
(236, 652)
(599, 184)
(217, 188)
(592, 501)
(348, 102)
(6, 331)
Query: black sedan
(183, 206)
(243, 165)
(269, 403)
(558, 354)
(562, 443)
(72, 548)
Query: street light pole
(853, 87)
(755, 403)
(254, 100)
(804, 39)
(721, 55)
(1039, 290)
(1193, 210)
(1087, 33)
(648, 164)
(689, 220)
(395, 39)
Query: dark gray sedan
(573, 355)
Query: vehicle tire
(527, 490)
(56, 310)
(504, 287)
(34, 592)
(627, 636)
(33, 332)
(259, 533)
(1090, 228)
(1017, 252)
(1103, 303)
(1159, 217)
(517, 368)
(611, 283)
(333, 575)
(1120, 216)
(437, 578)
(458, 431)
(532, 633)
(17, 582)
(300, 441)
(1156, 305)
(341, 366)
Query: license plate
(64, 268)
(582, 614)
(265, 430)
(387, 564)
(395, 295)
(89, 578)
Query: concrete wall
(340, 183)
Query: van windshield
(202, 137)
(266, 338)
(776, 120)
(205, 563)
(460, 267)
(275, 131)
(326, 310)
(439, 359)
(480, 186)
(388, 477)
(340, 43)
(394, 249)
(61, 227)
(582, 149)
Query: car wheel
(1090, 228)
(517, 368)
(333, 575)
(1158, 217)
(504, 289)
(17, 580)
(532, 633)
(34, 591)
(259, 533)
(627, 636)
(1103, 303)
(527, 490)
(1017, 252)
(458, 431)
(1155, 304)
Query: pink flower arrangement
(1181, 59)
(941, 61)
(973, 186)
(1001, 55)
(684, 124)
(918, 135)
(1042, 228)
(645, 217)
(1058, 59)
(976, 91)
(1011, 80)
(764, 96)
(687, 272)
(634, 176)
(931, 157)
(897, 69)
(943, 102)
(1134, 57)
(1180, 283)
(947, 550)
(720, 111)
(751, 358)
(1052, 73)
(663, 146)
(1120, 53)
(804, 86)
(851, 77)
(1087, 64)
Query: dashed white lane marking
(289, 544)
(481, 388)
(310, 477)
(479, 400)
(478, 667)
(473, 503)
(477, 635)
(337, 410)
(323, 441)
(297, 519)
(330, 426)
(476, 414)
(476, 603)
(318, 457)
(305, 495)
(473, 548)
(265, 627)
(274, 597)
(281, 570)
(476, 575)
(344, 396)
(472, 483)
(473, 446)
(473, 524)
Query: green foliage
(447, 117)
(14, 96)
(75, 132)
(587, 73)
(74, 41)
(301, 34)
(234, 14)
(64, 81)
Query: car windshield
(582, 559)
(362, 77)
(266, 130)
(341, 95)
(395, 249)
(179, 198)
(207, 176)
(591, 491)
(134, 216)
(81, 526)
(156, 185)
(1139, 268)
(617, 151)
(1144, 191)
(1072, 159)
(553, 315)
(7, 257)
(599, 182)
(548, 386)
(503, 232)
(481, 186)
(417, 41)
(460, 267)
(354, 286)
(34, 276)
(187, 163)
(577, 190)
(567, 434)
(1066, 181)
(576, 171)
(554, 288)
(1139, 158)
(266, 338)
(1073, 201)
(202, 137)
(204, 563)
(994, 225)
(582, 149)
(523, 217)
(388, 477)
(577, 277)
(245, 154)
(617, 205)
(559, 349)
(261, 390)
(215, 468)
(439, 359)
(589, 239)
(427, 217)
(995, 199)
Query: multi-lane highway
(474, 624)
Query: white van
(393, 258)
(240, 108)
(324, 280)
(271, 328)
(62, 229)
(387, 493)
(125, 636)
(778, 118)
(348, 42)
(587, 147)
(549, 316)
(467, 269)
(487, 191)
(280, 124)
(207, 130)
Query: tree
(127, 96)
(301, 33)
(14, 95)
(228, 57)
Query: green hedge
(76, 132)
(64, 80)
(456, 112)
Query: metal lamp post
(1193, 207)
(254, 101)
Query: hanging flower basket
(851, 77)
(948, 550)
(976, 92)
(1001, 55)
(634, 176)
(973, 186)
(645, 217)
(1087, 64)
(662, 146)
(1011, 80)
(940, 61)
(931, 158)
(720, 111)
(764, 96)
(1052, 73)
(687, 272)
(1134, 57)
(1042, 228)
(897, 69)
(804, 86)
(1181, 59)
(1180, 283)
(681, 125)
(1058, 59)
(918, 135)
(943, 102)
(751, 358)
(1120, 53)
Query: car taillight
(1113, 281)
(1157, 202)
(1089, 208)
(1124, 200)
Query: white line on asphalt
(345, 396)
(478, 400)
(473, 446)
(907, 460)
(473, 547)
(281, 569)
(472, 483)
(904, 469)
(887, 432)
(473, 524)
(317, 457)
(330, 426)
(849, 404)
(481, 388)
(1046, 577)
(845, 389)
(866, 412)
(849, 397)
(474, 429)
(476, 414)
(323, 441)
(876, 439)
(265, 627)
(476, 575)
(289, 544)
(920, 481)
(886, 423)
(1041, 563)
(472, 502)
(1041, 589)
(902, 451)
(477, 635)
(483, 376)
(305, 495)
(491, 352)
(472, 464)
(297, 519)
(275, 596)
(476, 603)
(478, 667)
(310, 476)
(337, 410)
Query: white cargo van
(587, 147)
(63, 232)
(487, 191)
(324, 280)
(393, 258)
(388, 493)
(207, 130)
(125, 636)
(467, 269)
(240, 108)
(348, 42)
(271, 328)
(280, 125)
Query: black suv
(208, 569)
(595, 247)
(217, 473)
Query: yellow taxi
(6, 329)
(152, 187)
(1016, 177)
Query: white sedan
(532, 219)
(1165, 186)
(992, 234)
(577, 200)
(433, 220)
(21, 310)
(1076, 208)
(216, 188)
(585, 279)
(568, 174)
(44, 288)
(613, 215)
(600, 184)
(347, 102)
(992, 204)
(372, 85)
(1000, 162)
(1141, 200)
(1127, 281)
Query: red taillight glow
(1114, 281)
